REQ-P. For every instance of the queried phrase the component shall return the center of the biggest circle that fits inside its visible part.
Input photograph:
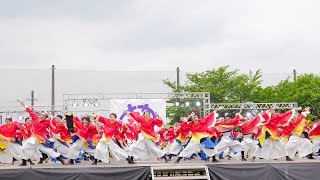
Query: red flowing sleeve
(33, 115)
(137, 117)
(77, 122)
(157, 122)
(103, 120)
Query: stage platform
(194, 169)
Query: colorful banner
(154, 106)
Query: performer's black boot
(30, 161)
(214, 159)
(178, 160)
(13, 160)
(310, 156)
(253, 159)
(193, 156)
(95, 162)
(24, 163)
(71, 161)
(44, 157)
(61, 160)
(288, 158)
(242, 156)
(170, 156)
(165, 159)
(130, 161)
(41, 161)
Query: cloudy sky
(142, 35)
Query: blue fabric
(48, 144)
(63, 143)
(79, 158)
(221, 155)
(74, 138)
(90, 144)
(232, 137)
(203, 155)
(208, 144)
(233, 151)
(216, 141)
(92, 158)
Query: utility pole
(294, 75)
(32, 98)
(52, 90)
(178, 79)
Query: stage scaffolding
(100, 103)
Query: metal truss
(20, 109)
(254, 106)
(18, 113)
(203, 97)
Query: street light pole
(52, 89)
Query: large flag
(154, 106)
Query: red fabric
(184, 129)
(199, 129)
(96, 138)
(202, 125)
(19, 134)
(9, 130)
(266, 117)
(38, 128)
(235, 134)
(60, 128)
(170, 134)
(291, 127)
(227, 125)
(161, 133)
(129, 133)
(258, 133)
(147, 125)
(26, 130)
(132, 131)
(250, 126)
(111, 128)
(120, 135)
(277, 120)
(214, 132)
(314, 129)
(280, 119)
(86, 132)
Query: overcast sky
(276, 36)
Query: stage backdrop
(154, 106)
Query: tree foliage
(305, 90)
(230, 86)
(224, 85)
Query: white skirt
(298, 144)
(145, 148)
(227, 143)
(249, 146)
(105, 147)
(272, 149)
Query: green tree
(305, 90)
(224, 85)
